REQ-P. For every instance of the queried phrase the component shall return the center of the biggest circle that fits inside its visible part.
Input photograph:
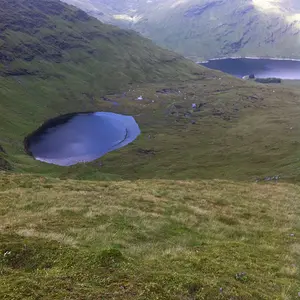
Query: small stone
(221, 290)
(241, 276)
(292, 234)
(298, 294)
(7, 253)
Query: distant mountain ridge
(203, 29)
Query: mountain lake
(260, 67)
(80, 137)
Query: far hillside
(204, 29)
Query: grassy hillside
(193, 209)
(56, 59)
(209, 28)
(148, 239)
(239, 130)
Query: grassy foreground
(148, 239)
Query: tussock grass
(148, 239)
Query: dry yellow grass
(177, 239)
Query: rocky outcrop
(198, 10)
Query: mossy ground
(148, 239)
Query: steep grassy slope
(56, 59)
(210, 28)
(45, 35)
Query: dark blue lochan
(80, 137)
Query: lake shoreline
(247, 57)
(283, 68)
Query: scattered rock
(109, 100)
(167, 91)
(177, 106)
(269, 178)
(253, 97)
(251, 76)
(197, 10)
(241, 276)
(146, 151)
(217, 112)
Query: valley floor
(148, 239)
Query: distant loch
(261, 67)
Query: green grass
(148, 239)
(241, 132)
(177, 214)
(244, 130)
(55, 59)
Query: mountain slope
(55, 58)
(212, 28)
(82, 64)
(144, 238)
(51, 32)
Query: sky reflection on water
(84, 138)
